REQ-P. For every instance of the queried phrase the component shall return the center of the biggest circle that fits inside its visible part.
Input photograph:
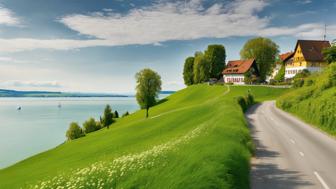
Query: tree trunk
(147, 112)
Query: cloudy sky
(98, 46)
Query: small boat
(18, 108)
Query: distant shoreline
(4, 93)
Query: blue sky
(98, 46)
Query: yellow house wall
(299, 60)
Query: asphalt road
(289, 153)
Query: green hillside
(315, 102)
(197, 138)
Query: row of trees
(91, 125)
(211, 63)
(202, 66)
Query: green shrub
(249, 99)
(74, 131)
(125, 114)
(297, 83)
(107, 118)
(90, 126)
(242, 102)
(116, 114)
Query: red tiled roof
(284, 57)
(238, 66)
(312, 50)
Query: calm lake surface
(41, 124)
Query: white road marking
(325, 186)
(292, 141)
(301, 153)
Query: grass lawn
(197, 138)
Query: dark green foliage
(303, 74)
(188, 71)
(125, 114)
(280, 76)
(297, 83)
(90, 126)
(330, 54)
(107, 118)
(242, 102)
(116, 114)
(246, 102)
(147, 88)
(248, 77)
(215, 55)
(201, 68)
(264, 51)
(315, 101)
(74, 131)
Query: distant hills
(15, 93)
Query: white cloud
(165, 21)
(7, 17)
(33, 84)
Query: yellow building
(307, 55)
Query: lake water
(41, 124)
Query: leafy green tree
(147, 88)
(188, 71)
(74, 131)
(116, 114)
(330, 54)
(201, 68)
(280, 76)
(107, 118)
(215, 55)
(264, 51)
(90, 126)
(248, 77)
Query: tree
(264, 51)
(90, 125)
(280, 76)
(74, 131)
(201, 68)
(330, 54)
(188, 71)
(107, 118)
(215, 55)
(116, 114)
(147, 88)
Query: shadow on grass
(266, 174)
(161, 101)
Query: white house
(235, 71)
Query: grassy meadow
(315, 102)
(195, 138)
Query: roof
(238, 66)
(312, 49)
(284, 57)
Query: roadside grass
(197, 138)
(315, 102)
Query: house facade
(285, 58)
(235, 71)
(307, 55)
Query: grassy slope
(316, 103)
(217, 156)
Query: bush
(249, 99)
(125, 114)
(242, 102)
(107, 118)
(74, 131)
(90, 126)
(116, 114)
(297, 83)
(246, 102)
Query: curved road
(289, 153)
